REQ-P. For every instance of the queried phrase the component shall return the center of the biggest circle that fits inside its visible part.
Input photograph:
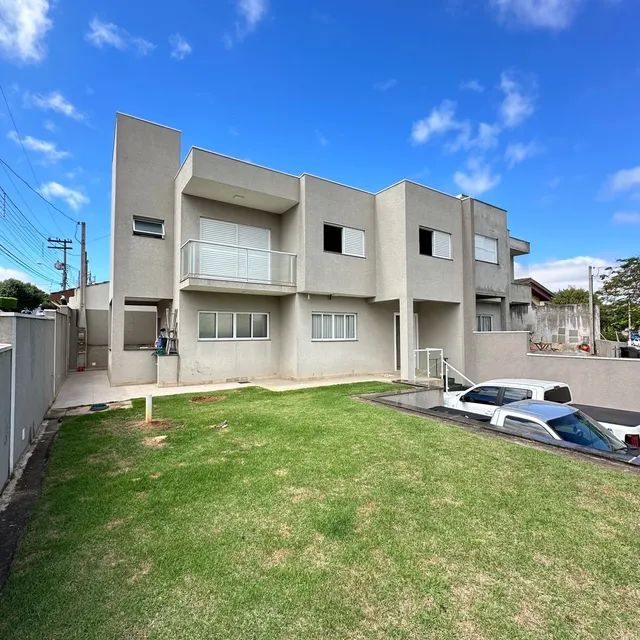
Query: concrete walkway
(92, 387)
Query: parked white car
(485, 398)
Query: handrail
(446, 377)
(428, 350)
(235, 246)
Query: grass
(313, 515)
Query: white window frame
(479, 321)
(148, 234)
(343, 252)
(483, 249)
(235, 326)
(433, 232)
(333, 325)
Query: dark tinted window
(577, 428)
(558, 394)
(426, 242)
(483, 395)
(332, 238)
(514, 395)
(525, 427)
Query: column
(407, 339)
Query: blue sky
(531, 105)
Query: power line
(53, 206)
(24, 265)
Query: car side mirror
(464, 398)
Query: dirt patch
(300, 494)
(276, 558)
(155, 442)
(154, 425)
(155, 475)
(207, 399)
(281, 472)
(528, 618)
(144, 569)
(117, 522)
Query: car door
(482, 400)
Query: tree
(570, 295)
(622, 283)
(28, 295)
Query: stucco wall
(440, 326)
(5, 412)
(489, 309)
(602, 382)
(492, 222)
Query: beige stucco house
(271, 274)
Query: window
(527, 428)
(333, 326)
(345, 240)
(482, 395)
(558, 394)
(434, 243)
(515, 395)
(486, 249)
(228, 325)
(148, 227)
(578, 429)
(484, 323)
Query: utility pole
(83, 275)
(592, 323)
(65, 245)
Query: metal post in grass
(148, 409)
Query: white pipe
(148, 409)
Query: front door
(396, 334)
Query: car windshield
(578, 428)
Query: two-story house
(271, 274)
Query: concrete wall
(5, 412)
(490, 309)
(39, 366)
(609, 348)
(550, 317)
(440, 326)
(596, 381)
(492, 222)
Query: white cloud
(56, 102)
(478, 180)
(107, 34)
(7, 272)
(49, 150)
(441, 120)
(559, 274)
(50, 126)
(472, 85)
(517, 105)
(23, 27)
(180, 48)
(626, 217)
(486, 137)
(74, 198)
(540, 14)
(251, 13)
(322, 139)
(385, 85)
(518, 152)
(623, 180)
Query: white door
(396, 336)
(482, 400)
(241, 252)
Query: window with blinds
(240, 252)
(232, 325)
(345, 240)
(486, 249)
(484, 323)
(333, 326)
(434, 243)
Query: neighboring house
(273, 274)
(563, 325)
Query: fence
(32, 372)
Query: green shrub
(8, 304)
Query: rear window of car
(514, 395)
(558, 394)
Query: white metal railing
(217, 261)
(429, 362)
(449, 368)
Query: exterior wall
(550, 317)
(391, 246)
(490, 309)
(372, 352)
(430, 278)
(491, 278)
(609, 348)
(605, 382)
(146, 158)
(440, 326)
(5, 412)
(326, 201)
(214, 361)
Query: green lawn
(314, 515)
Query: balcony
(519, 247)
(212, 266)
(520, 293)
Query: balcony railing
(216, 261)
